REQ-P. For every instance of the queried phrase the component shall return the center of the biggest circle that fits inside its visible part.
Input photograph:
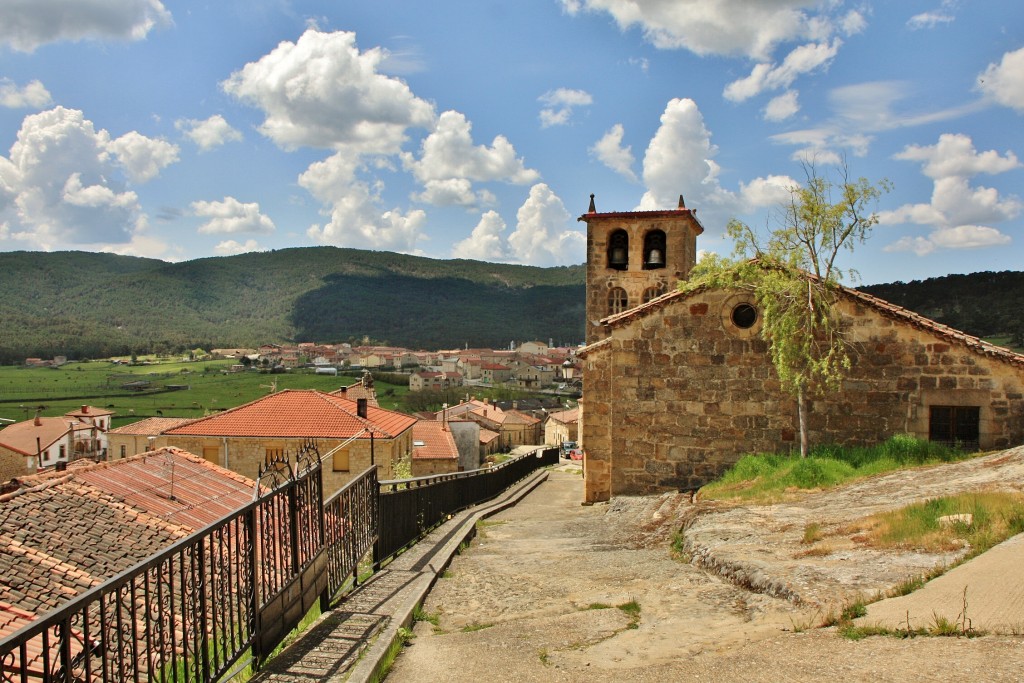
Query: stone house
(139, 437)
(678, 387)
(350, 435)
(434, 381)
(494, 373)
(562, 426)
(433, 449)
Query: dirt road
(536, 598)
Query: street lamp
(568, 370)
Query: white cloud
(231, 216)
(230, 247)
(147, 246)
(27, 24)
(61, 185)
(143, 158)
(932, 18)
(954, 155)
(610, 152)
(1004, 82)
(212, 132)
(33, 95)
(453, 192)
(959, 237)
(679, 161)
(448, 152)
(543, 236)
(766, 77)
(751, 28)
(770, 192)
(322, 92)
(356, 219)
(957, 211)
(560, 105)
(782, 107)
(485, 243)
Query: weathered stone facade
(678, 393)
(677, 388)
(623, 252)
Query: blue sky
(181, 130)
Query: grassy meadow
(206, 386)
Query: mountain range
(90, 305)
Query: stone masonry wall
(678, 394)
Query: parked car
(565, 447)
(575, 454)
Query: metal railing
(224, 597)
(409, 508)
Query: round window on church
(744, 316)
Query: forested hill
(87, 305)
(983, 304)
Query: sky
(184, 130)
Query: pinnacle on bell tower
(634, 257)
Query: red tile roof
(300, 413)
(151, 426)
(438, 442)
(62, 533)
(28, 437)
(566, 416)
(89, 411)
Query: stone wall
(679, 393)
(246, 455)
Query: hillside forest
(88, 305)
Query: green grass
(995, 516)
(771, 476)
(210, 388)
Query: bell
(655, 259)
(618, 257)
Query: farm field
(175, 389)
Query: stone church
(678, 386)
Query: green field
(176, 389)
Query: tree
(793, 274)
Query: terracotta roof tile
(151, 426)
(300, 413)
(566, 416)
(61, 535)
(438, 442)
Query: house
(434, 381)
(562, 426)
(362, 389)
(350, 435)
(534, 348)
(494, 373)
(110, 517)
(49, 442)
(138, 437)
(678, 386)
(433, 449)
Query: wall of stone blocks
(679, 394)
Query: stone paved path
(535, 599)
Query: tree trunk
(801, 409)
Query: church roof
(883, 307)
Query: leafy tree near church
(792, 272)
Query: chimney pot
(85, 409)
(361, 407)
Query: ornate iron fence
(225, 596)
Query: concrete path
(989, 590)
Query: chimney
(85, 409)
(37, 422)
(361, 407)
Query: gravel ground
(536, 595)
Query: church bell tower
(635, 256)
